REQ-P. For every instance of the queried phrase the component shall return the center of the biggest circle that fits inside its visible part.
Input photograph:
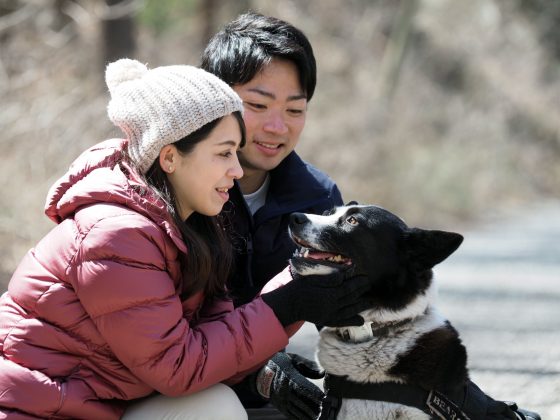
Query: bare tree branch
(15, 18)
(396, 48)
(77, 13)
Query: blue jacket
(262, 245)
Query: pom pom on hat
(156, 107)
(123, 70)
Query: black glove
(332, 300)
(283, 380)
(529, 415)
(518, 413)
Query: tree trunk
(118, 35)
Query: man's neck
(252, 181)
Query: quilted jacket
(92, 317)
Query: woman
(126, 295)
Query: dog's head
(371, 241)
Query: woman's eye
(352, 220)
(226, 154)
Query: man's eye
(352, 220)
(256, 106)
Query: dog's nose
(298, 218)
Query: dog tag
(361, 333)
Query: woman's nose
(236, 171)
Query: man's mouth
(270, 146)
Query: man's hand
(284, 381)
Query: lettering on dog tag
(444, 408)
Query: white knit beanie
(161, 106)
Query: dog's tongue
(318, 255)
(323, 256)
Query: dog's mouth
(308, 252)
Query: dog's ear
(430, 247)
(352, 203)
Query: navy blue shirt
(261, 241)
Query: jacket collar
(99, 176)
(294, 184)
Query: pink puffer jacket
(92, 317)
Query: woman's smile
(224, 194)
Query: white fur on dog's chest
(363, 409)
(366, 357)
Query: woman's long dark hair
(208, 261)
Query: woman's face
(201, 179)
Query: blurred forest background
(443, 111)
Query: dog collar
(369, 330)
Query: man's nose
(276, 124)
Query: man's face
(275, 111)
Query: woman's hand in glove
(332, 300)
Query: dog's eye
(352, 220)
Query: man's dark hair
(247, 44)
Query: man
(271, 65)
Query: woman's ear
(167, 158)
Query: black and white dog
(406, 361)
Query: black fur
(437, 361)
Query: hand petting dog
(323, 299)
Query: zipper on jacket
(250, 258)
(249, 237)
(249, 241)
(63, 387)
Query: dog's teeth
(306, 253)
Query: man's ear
(430, 247)
(167, 158)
